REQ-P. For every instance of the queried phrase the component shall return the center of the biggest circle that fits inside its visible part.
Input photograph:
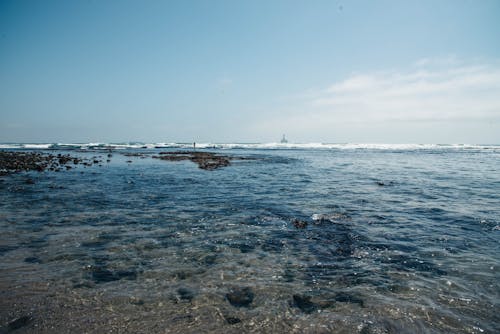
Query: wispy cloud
(427, 92)
(445, 95)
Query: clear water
(408, 243)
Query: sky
(250, 71)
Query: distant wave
(256, 146)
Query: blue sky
(249, 71)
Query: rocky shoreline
(21, 161)
(14, 162)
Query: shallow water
(397, 241)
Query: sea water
(394, 239)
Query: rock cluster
(14, 161)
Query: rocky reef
(204, 160)
(12, 162)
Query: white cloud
(452, 93)
(430, 91)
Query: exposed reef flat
(205, 160)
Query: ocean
(288, 238)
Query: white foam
(36, 146)
(253, 146)
(10, 146)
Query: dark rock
(344, 297)
(383, 184)
(304, 303)
(243, 247)
(19, 322)
(209, 259)
(185, 294)
(240, 297)
(102, 275)
(233, 320)
(32, 259)
(29, 181)
(126, 274)
(299, 223)
(13, 162)
(288, 275)
(183, 274)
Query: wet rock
(240, 297)
(19, 322)
(300, 224)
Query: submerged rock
(232, 320)
(185, 294)
(19, 322)
(240, 297)
(304, 303)
(309, 304)
(32, 259)
(100, 274)
(344, 297)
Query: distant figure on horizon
(194, 145)
(283, 140)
